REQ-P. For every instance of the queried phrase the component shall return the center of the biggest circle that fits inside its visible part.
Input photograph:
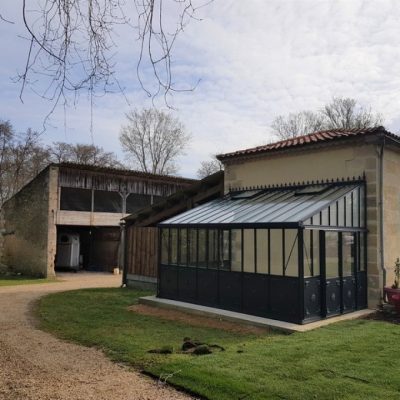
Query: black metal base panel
(268, 296)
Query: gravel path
(34, 365)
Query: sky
(254, 60)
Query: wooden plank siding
(142, 251)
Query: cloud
(256, 60)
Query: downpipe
(380, 152)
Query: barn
(68, 216)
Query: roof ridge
(310, 138)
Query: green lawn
(349, 360)
(21, 280)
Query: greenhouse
(290, 253)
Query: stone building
(72, 202)
(308, 228)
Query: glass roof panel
(269, 206)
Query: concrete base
(141, 282)
(245, 318)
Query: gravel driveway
(34, 365)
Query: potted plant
(392, 294)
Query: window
(291, 253)
(332, 254)
(276, 251)
(164, 246)
(136, 202)
(75, 199)
(183, 247)
(173, 242)
(248, 247)
(192, 247)
(348, 253)
(262, 251)
(236, 244)
(202, 256)
(105, 201)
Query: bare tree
(72, 43)
(347, 113)
(209, 167)
(298, 124)
(340, 113)
(87, 154)
(21, 158)
(153, 140)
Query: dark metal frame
(297, 299)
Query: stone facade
(347, 160)
(24, 226)
(30, 219)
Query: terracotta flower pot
(389, 293)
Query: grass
(22, 280)
(349, 360)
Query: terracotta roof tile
(316, 137)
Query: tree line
(152, 140)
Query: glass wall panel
(212, 248)
(276, 252)
(192, 247)
(349, 210)
(341, 212)
(333, 214)
(325, 217)
(362, 241)
(315, 252)
(348, 253)
(362, 206)
(356, 208)
(183, 247)
(225, 256)
(332, 254)
(248, 247)
(164, 246)
(173, 246)
(291, 253)
(307, 252)
(202, 238)
(262, 251)
(236, 245)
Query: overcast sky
(256, 59)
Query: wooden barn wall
(142, 251)
(122, 184)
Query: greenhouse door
(338, 272)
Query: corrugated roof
(286, 206)
(125, 172)
(310, 139)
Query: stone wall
(341, 161)
(24, 226)
(391, 207)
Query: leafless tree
(87, 154)
(72, 43)
(209, 167)
(339, 113)
(152, 140)
(347, 113)
(21, 158)
(299, 124)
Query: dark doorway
(99, 246)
